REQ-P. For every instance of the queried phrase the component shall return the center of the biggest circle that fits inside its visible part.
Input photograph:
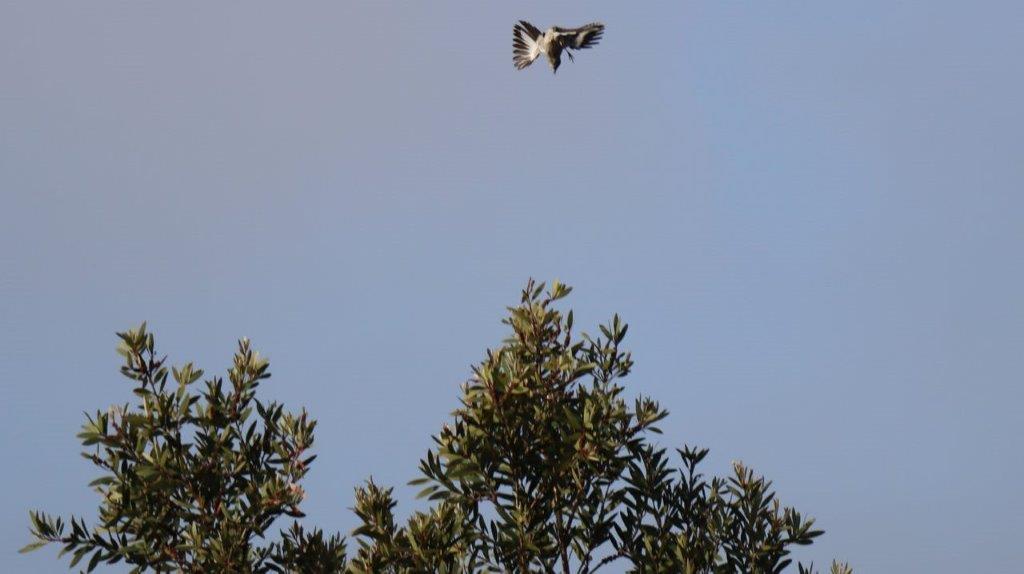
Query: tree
(546, 467)
(192, 480)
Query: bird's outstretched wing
(525, 45)
(580, 38)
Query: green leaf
(96, 557)
(103, 480)
(32, 546)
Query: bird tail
(525, 47)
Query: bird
(528, 42)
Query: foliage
(433, 541)
(546, 467)
(191, 480)
(553, 471)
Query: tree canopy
(192, 480)
(546, 466)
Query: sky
(810, 213)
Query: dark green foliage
(191, 481)
(545, 467)
(552, 470)
(434, 541)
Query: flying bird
(528, 43)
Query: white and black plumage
(528, 42)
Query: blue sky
(810, 214)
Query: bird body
(528, 42)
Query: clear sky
(811, 214)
